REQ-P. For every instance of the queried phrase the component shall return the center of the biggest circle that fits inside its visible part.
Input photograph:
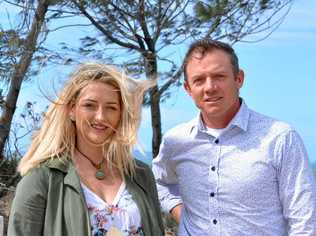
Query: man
(232, 171)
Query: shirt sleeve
(166, 178)
(28, 207)
(297, 186)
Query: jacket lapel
(66, 166)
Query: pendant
(99, 174)
(113, 231)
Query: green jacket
(49, 201)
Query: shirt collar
(240, 120)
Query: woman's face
(96, 113)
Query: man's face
(214, 87)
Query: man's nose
(210, 84)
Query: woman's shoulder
(140, 164)
(143, 174)
(141, 168)
(40, 174)
(33, 185)
(37, 173)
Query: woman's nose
(101, 114)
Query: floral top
(121, 217)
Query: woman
(79, 177)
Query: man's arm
(166, 179)
(176, 212)
(297, 186)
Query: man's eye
(197, 81)
(219, 77)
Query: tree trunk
(19, 73)
(151, 73)
(155, 120)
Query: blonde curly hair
(57, 136)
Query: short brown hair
(206, 45)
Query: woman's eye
(112, 108)
(88, 105)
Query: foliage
(10, 44)
(22, 128)
(21, 68)
(8, 176)
(170, 224)
(237, 19)
(28, 121)
(144, 35)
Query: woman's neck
(93, 152)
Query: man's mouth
(212, 99)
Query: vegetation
(142, 36)
(149, 32)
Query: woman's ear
(71, 109)
(72, 118)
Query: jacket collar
(65, 165)
(140, 176)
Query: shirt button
(213, 168)
(212, 194)
(216, 141)
(214, 221)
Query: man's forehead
(199, 53)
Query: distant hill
(314, 167)
(143, 156)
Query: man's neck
(221, 121)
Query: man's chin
(211, 110)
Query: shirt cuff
(169, 204)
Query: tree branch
(103, 30)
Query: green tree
(15, 63)
(149, 32)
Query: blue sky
(280, 78)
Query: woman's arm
(28, 208)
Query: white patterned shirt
(254, 179)
(121, 215)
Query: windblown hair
(200, 47)
(57, 136)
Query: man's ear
(187, 87)
(240, 78)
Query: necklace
(99, 174)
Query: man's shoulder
(181, 130)
(268, 124)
